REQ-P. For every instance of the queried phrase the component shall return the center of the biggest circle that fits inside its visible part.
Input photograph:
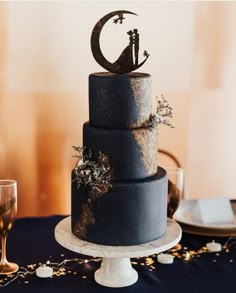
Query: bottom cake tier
(130, 213)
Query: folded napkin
(213, 210)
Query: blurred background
(45, 60)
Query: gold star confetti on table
(149, 261)
(25, 275)
(32, 266)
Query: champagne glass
(8, 208)
(175, 188)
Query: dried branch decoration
(163, 111)
(95, 175)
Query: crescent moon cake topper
(129, 58)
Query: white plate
(184, 215)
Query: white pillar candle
(165, 258)
(44, 272)
(213, 246)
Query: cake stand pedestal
(116, 270)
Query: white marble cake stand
(116, 270)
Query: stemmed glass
(8, 209)
(175, 188)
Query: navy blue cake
(133, 210)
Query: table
(32, 241)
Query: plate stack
(184, 216)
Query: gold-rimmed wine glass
(8, 209)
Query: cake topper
(129, 58)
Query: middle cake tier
(132, 153)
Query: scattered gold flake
(26, 282)
(146, 138)
(84, 277)
(175, 254)
(86, 219)
(31, 266)
(59, 273)
(149, 261)
(141, 89)
(176, 247)
(187, 256)
(62, 255)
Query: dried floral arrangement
(163, 112)
(95, 175)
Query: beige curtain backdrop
(45, 61)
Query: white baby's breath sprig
(163, 111)
(95, 174)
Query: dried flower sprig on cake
(95, 175)
(163, 111)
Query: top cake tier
(119, 100)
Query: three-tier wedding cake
(119, 195)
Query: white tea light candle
(44, 272)
(214, 246)
(165, 258)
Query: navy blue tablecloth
(31, 241)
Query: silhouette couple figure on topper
(134, 42)
(129, 58)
